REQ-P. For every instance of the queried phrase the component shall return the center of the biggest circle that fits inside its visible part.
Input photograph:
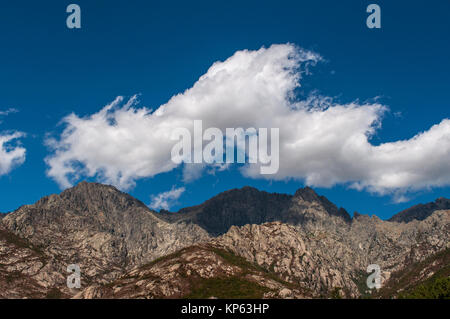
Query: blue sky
(157, 50)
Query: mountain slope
(248, 205)
(234, 207)
(199, 271)
(20, 266)
(429, 278)
(421, 211)
(283, 246)
(325, 258)
(276, 260)
(100, 228)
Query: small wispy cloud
(400, 198)
(167, 199)
(8, 111)
(12, 154)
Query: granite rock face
(256, 243)
(334, 258)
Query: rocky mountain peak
(248, 205)
(99, 227)
(421, 211)
(95, 196)
(307, 194)
(88, 199)
(443, 202)
(239, 207)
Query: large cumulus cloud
(321, 142)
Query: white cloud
(321, 142)
(166, 199)
(122, 143)
(10, 155)
(8, 111)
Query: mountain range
(242, 243)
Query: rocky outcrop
(329, 258)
